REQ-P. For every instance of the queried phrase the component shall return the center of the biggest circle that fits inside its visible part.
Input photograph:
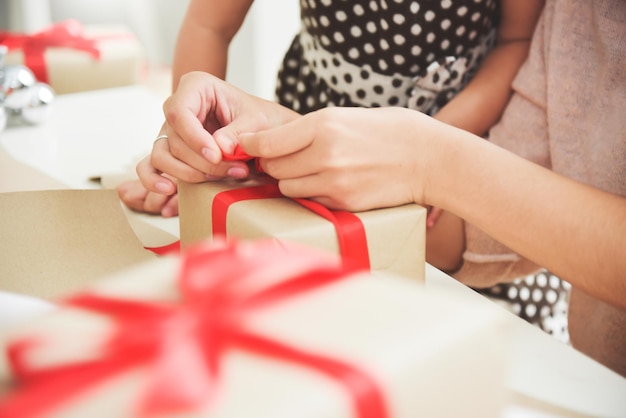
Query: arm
(342, 158)
(478, 107)
(587, 250)
(202, 45)
(480, 104)
(205, 35)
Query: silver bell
(15, 81)
(3, 117)
(39, 105)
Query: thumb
(227, 138)
(281, 140)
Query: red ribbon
(168, 249)
(183, 343)
(350, 231)
(66, 34)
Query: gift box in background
(245, 329)
(395, 236)
(73, 58)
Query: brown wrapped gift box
(426, 350)
(73, 70)
(396, 236)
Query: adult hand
(349, 158)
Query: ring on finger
(162, 136)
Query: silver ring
(162, 136)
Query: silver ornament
(3, 117)
(15, 81)
(4, 51)
(39, 105)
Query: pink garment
(568, 113)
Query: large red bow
(185, 342)
(66, 34)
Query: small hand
(138, 198)
(433, 216)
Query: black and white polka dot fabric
(372, 53)
(541, 299)
(415, 54)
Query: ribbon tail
(368, 400)
(172, 248)
(185, 374)
(59, 385)
(350, 232)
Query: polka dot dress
(541, 299)
(372, 53)
(415, 54)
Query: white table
(105, 131)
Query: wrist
(445, 161)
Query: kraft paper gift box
(250, 329)
(72, 58)
(395, 236)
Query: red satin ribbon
(183, 343)
(350, 231)
(172, 248)
(66, 34)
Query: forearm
(499, 194)
(445, 243)
(199, 49)
(205, 35)
(481, 103)
(475, 109)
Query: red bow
(184, 342)
(66, 34)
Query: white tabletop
(107, 131)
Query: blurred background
(254, 56)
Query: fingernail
(237, 172)
(229, 147)
(229, 144)
(162, 187)
(210, 155)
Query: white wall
(272, 25)
(24, 15)
(255, 54)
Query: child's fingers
(433, 216)
(152, 179)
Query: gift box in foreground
(73, 58)
(251, 329)
(395, 237)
